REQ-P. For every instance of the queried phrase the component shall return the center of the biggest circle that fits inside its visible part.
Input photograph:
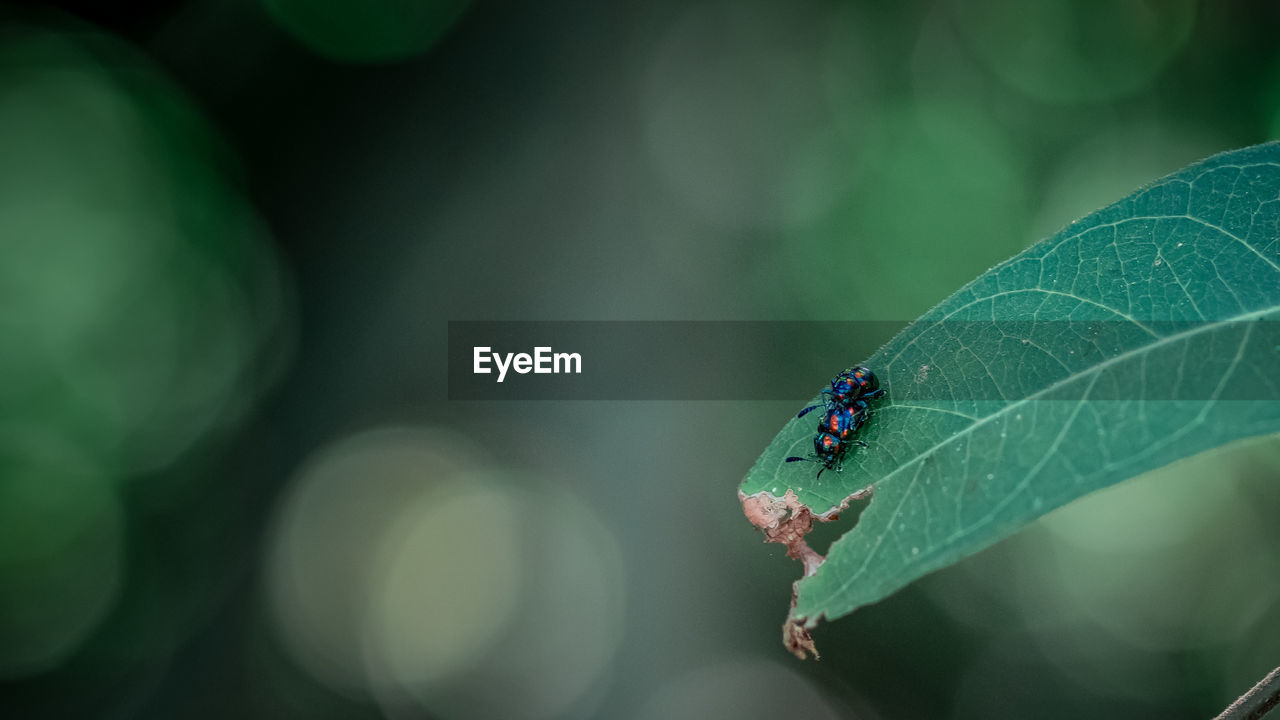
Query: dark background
(232, 235)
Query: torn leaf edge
(786, 520)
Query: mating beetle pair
(846, 412)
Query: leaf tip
(797, 640)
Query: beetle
(844, 421)
(828, 450)
(856, 383)
(847, 411)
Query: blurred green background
(232, 231)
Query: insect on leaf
(1144, 333)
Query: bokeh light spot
(401, 569)
(564, 618)
(1166, 530)
(366, 30)
(332, 522)
(1111, 591)
(1063, 51)
(1112, 164)
(733, 91)
(450, 578)
(937, 197)
(61, 551)
(130, 263)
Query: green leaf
(1140, 335)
